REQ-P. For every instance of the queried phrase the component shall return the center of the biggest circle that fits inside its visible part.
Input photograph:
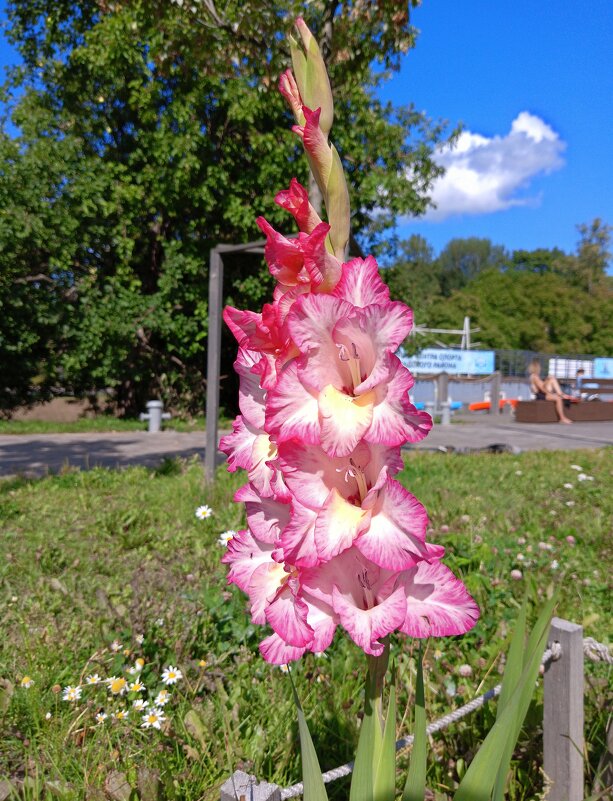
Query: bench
(542, 411)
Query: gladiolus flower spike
(332, 538)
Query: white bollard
(445, 413)
(155, 415)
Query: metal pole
(563, 714)
(213, 357)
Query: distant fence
(563, 720)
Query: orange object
(484, 406)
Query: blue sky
(532, 83)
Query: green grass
(101, 423)
(90, 557)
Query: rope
(594, 650)
(597, 651)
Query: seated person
(547, 390)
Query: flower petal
(367, 626)
(360, 283)
(438, 604)
(291, 409)
(337, 525)
(266, 517)
(395, 538)
(287, 614)
(344, 419)
(277, 652)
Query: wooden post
(495, 393)
(213, 356)
(563, 714)
(242, 786)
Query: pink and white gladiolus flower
(333, 539)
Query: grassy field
(91, 559)
(99, 424)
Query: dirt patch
(58, 410)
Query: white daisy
(576, 467)
(153, 719)
(568, 485)
(27, 682)
(284, 668)
(115, 646)
(71, 693)
(136, 687)
(203, 512)
(226, 536)
(554, 564)
(171, 675)
(162, 698)
(117, 685)
(140, 638)
(101, 717)
(139, 704)
(121, 714)
(93, 678)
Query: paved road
(37, 454)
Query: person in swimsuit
(547, 390)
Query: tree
(593, 256)
(461, 260)
(414, 277)
(165, 135)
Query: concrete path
(37, 454)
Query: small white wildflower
(576, 467)
(136, 687)
(465, 518)
(553, 512)
(465, 671)
(555, 564)
(516, 575)
(545, 546)
(171, 675)
(101, 717)
(115, 646)
(71, 693)
(27, 682)
(570, 503)
(521, 540)
(48, 716)
(568, 485)
(520, 557)
(226, 536)
(121, 714)
(159, 622)
(203, 512)
(519, 472)
(93, 678)
(153, 719)
(162, 698)
(284, 668)
(437, 654)
(117, 685)
(139, 704)
(140, 638)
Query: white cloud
(486, 174)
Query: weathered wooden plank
(563, 714)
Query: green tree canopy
(150, 132)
